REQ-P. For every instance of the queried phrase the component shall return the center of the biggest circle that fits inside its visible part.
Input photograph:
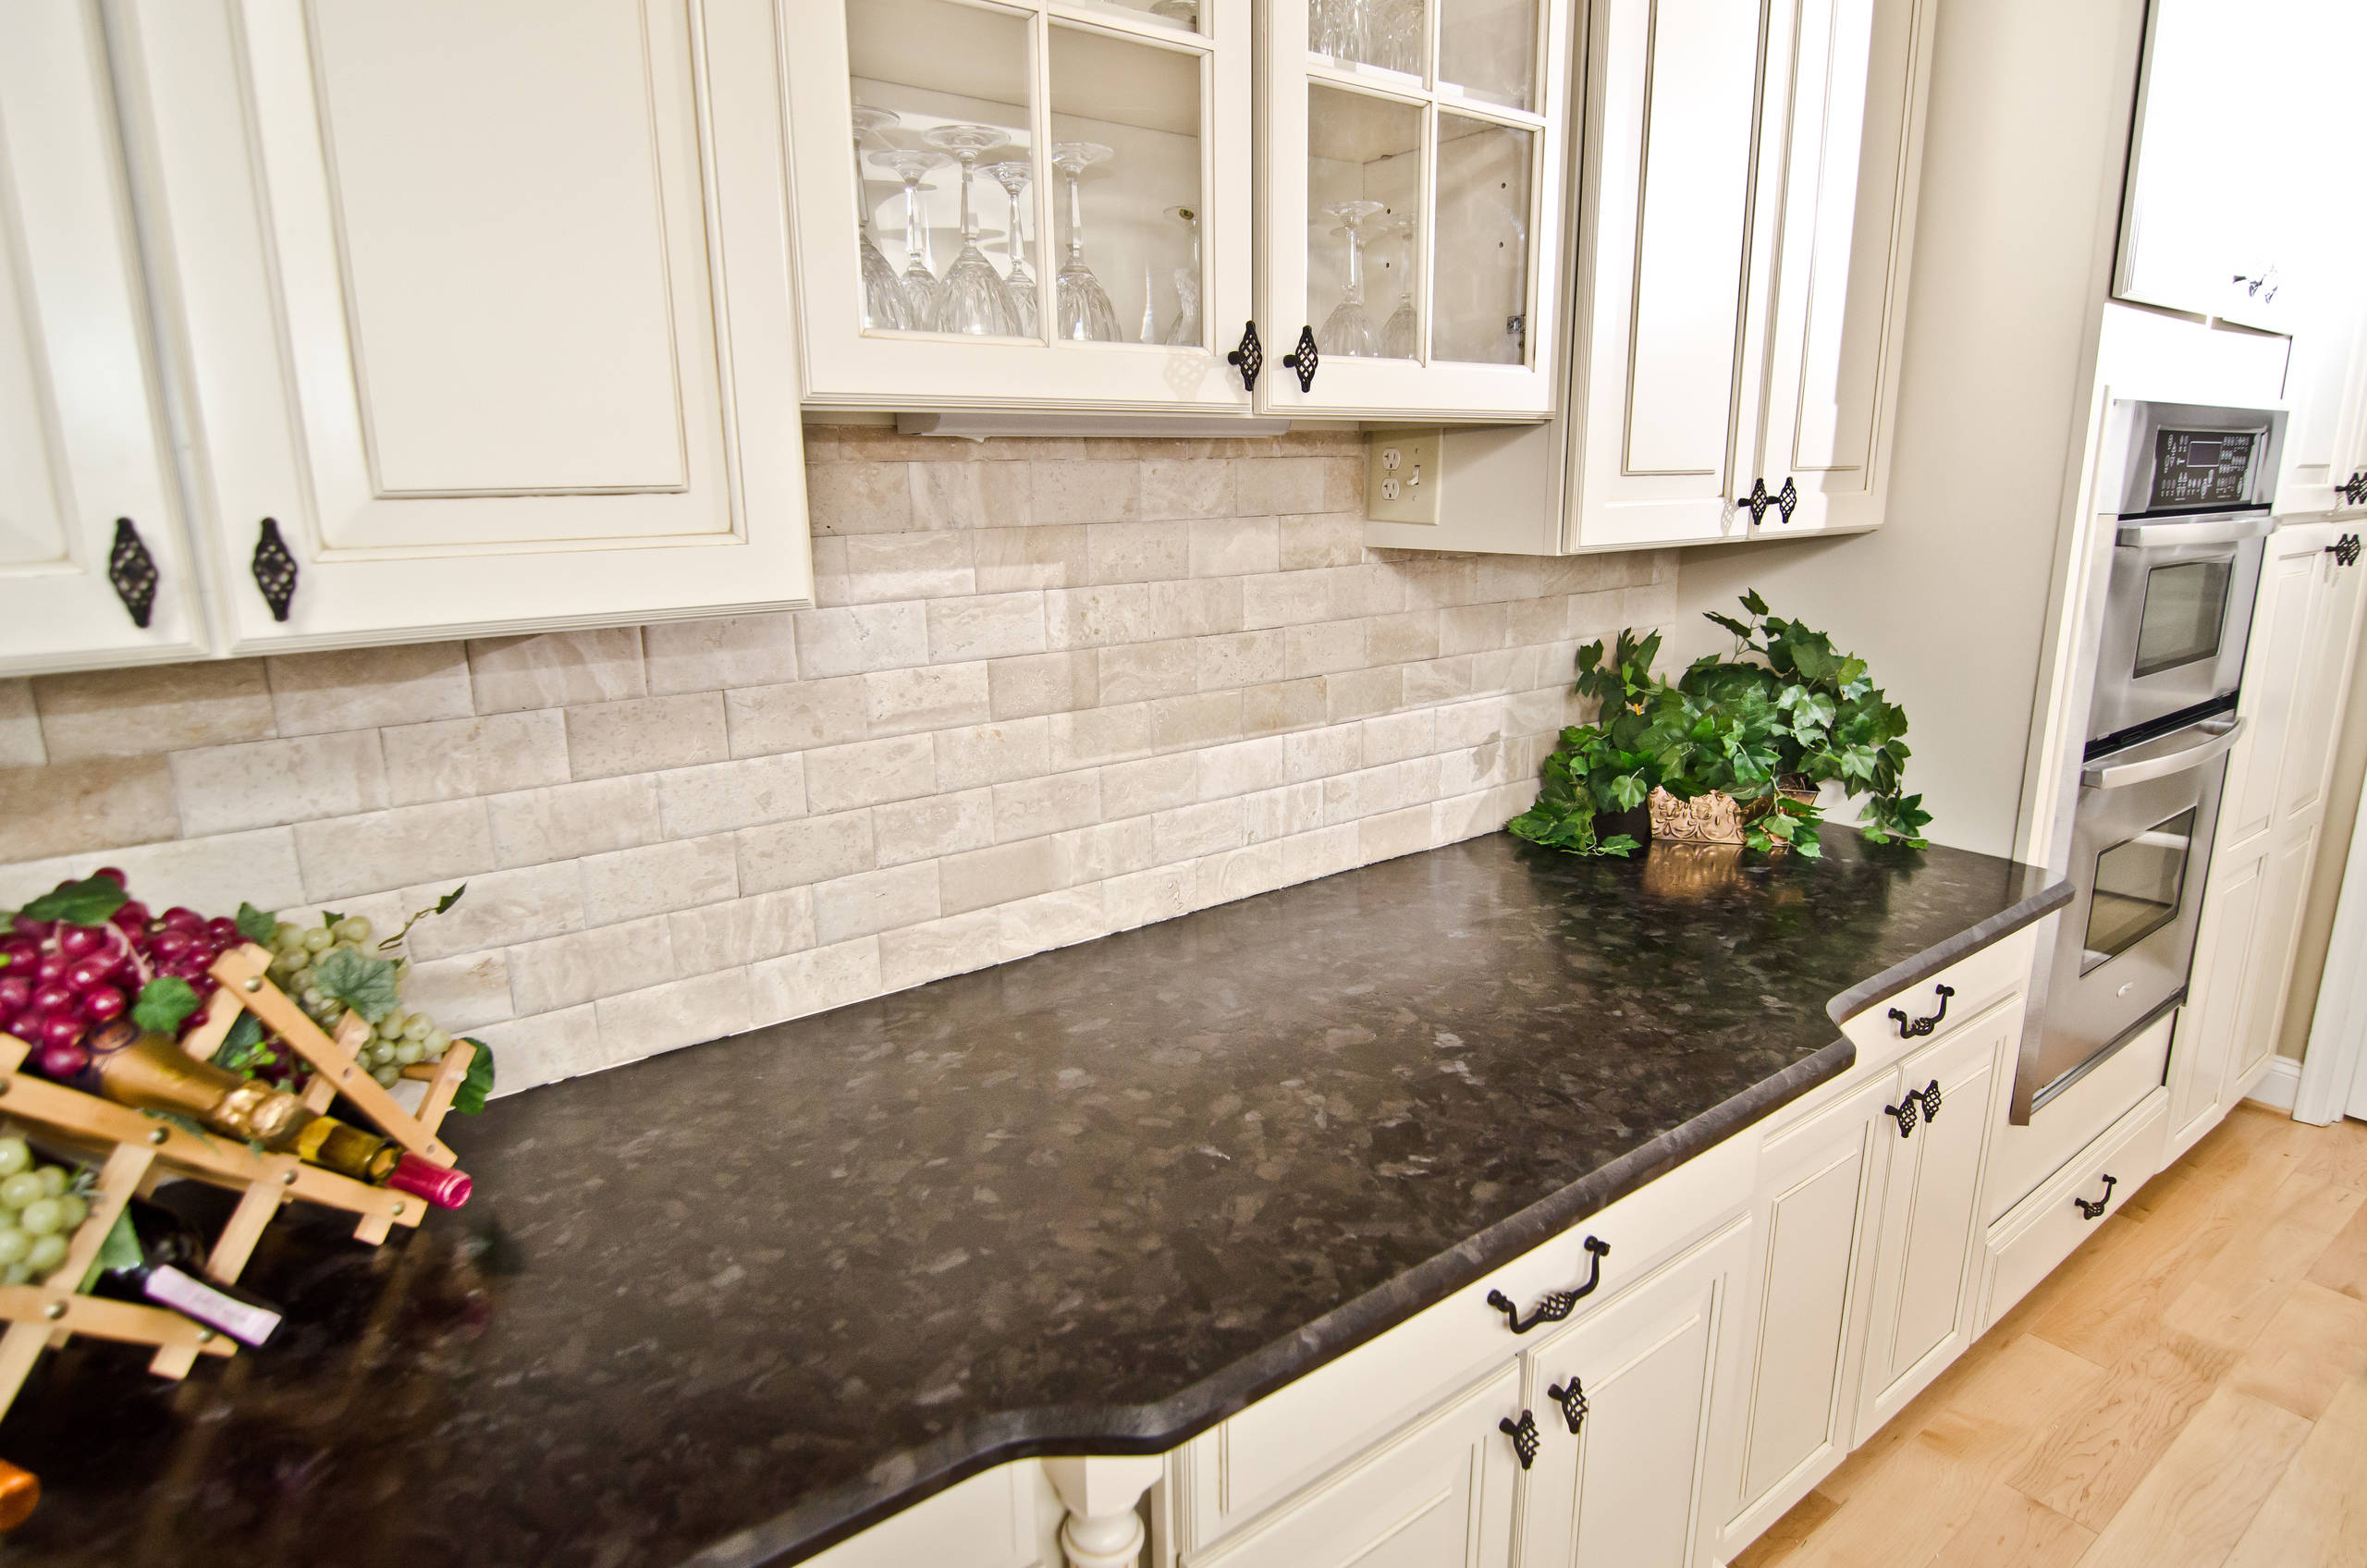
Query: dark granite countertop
(730, 1304)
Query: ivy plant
(1785, 708)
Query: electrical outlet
(1402, 476)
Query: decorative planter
(1717, 818)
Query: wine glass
(972, 299)
(1084, 312)
(908, 163)
(1397, 332)
(1348, 330)
(1186, 330)
(1013, 174)
(1184, 14)
(1395, 34)
(884, 305)
(1337, 28)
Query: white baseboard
(2278, 1085)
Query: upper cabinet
(1742, 275)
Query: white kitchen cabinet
(86, 483)
(2325, 382)
(481, 313)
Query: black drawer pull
(2095, 1210)
(1926, 1100)
(131, 571)
(1916, 1028)
(1559, 1304)
(1929, 1096)
(275, 570)
(1572, 1398)
(1524, 1436)
(1250, 357)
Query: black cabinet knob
(1250, 357)
(1303, 359)
(275, 570)
(131, 570)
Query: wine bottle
(152, 1073)
(331, 1144)
(171, 1272)
(443, 1187)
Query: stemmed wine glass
(1186, 330)
(919, 283)
(883, 298)
(1397, 332)
(1014, 175)
(1348, 330)
(1084, 313)
(972, 299)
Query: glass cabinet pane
(1390, 34)
(1363, 177)
(1478, 306)
(942, 150)
(1182, 13)
(1126, 200)
(1488, 50)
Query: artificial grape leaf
(87, 903)
(478, 1083)
(448, 899)
(240, 1047)
(364, 983)
(121, 1250)
(164, 1003)
(257, 925)
(1753, 603)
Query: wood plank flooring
(2188, 1390)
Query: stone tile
(451, 759)
(1440, 584)
(971, 495)
(955, 944)
(1204, 606)
(1027, 808)
(1441, 680)
(714, 656)
(993, 626)
(1201, 720)
(1093, 617)
(1186, 488)
(659, 878)
(266, 783)
(1470, 768)
(926, 697)
(533, 826)
(1396, 736)
(881, 567)
(796, 717)
(933, 825)
(1271, 486)
(997, 874)
(1320, 539)
(1536, 621)
(1376, 589)
(859, 497)
(816, 981)
(19, 726)
(724, 795)
(1109, 848)
(1235, 546)
(1239, 873)
(82, 807)
(557, 668)
(742, 932)
(1285, 598)
(682, 1012)
(1393, 833)
(1051, 920)
(1343, 485)
(860, 638)
(994, 753)
(394, 849)
(1042, 683)
(1403, 637)
(1099, 735)
(1134, 789)
(133, 713)
(1328, 647)
(1085, 492)
(1145, 898)
(1361, 693)
(1473, 723)
(1327, 852)
(202, 872)
(645, 734)
(1189, 831)
(1135, 672)
(1283, 812)
(500, 908)
(1469, 629)
(544, 1048)
(363, 688)
(462, 994)
(1239, 768)
(1010, 559)
(1320, 753)
(606, 960)
(868, 772)
(1137, 552)
(1285, 704)
(813, 849)
(1240, 658)
(872, 901)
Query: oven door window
(2186, 605)
(2137, 888)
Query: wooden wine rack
(139, 1151)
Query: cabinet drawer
(1006, 1517)
(1976, 981)
(2048, 1226)
(1240, 1469)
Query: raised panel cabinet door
(2325, 680)
(2227, 943)
(485, 306)
(2290, 858)
(1667, 270)
(1438, 1496)
(1638, 1381)
(2274, 659)
(1842, 221)
(1921, 1314)
(87, 497)
(1811, 1253)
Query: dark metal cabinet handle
(1906, 1114)
(2345, 550)
(1303, 359)
(1758, 501)
(1926, 1100)
(1250, 356)
(1916, 1028)
(1572, 1398)
(2354, 489)
(275, 570)
(133, 571)
(1559, 1304)
(1787, 499)
(1929, 1096)
(2095, 1210)
(1524, 1436)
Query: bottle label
(240, 1320)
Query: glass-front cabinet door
(1016, 204)
(1411, 160)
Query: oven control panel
(2201, 467)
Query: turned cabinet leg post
(1102, 1530)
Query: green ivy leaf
(87, 903)
(164, 1003)
(470, 1099)
(364, 983)
(448, 899)
(240, 1046)
(257, 925)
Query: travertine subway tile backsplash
(1053, 689)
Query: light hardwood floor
(2188, 1390)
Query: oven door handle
(2209, 531)
(2113, 776)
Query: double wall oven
(2185, 492)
